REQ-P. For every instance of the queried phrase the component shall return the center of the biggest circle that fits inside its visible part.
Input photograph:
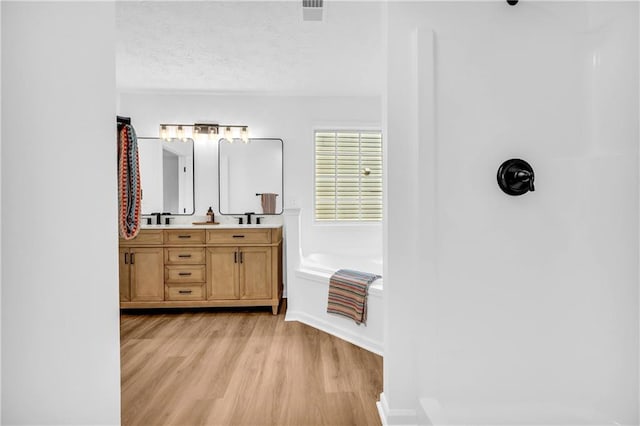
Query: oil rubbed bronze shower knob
(515, 177)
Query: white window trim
(342, 223)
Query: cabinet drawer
(239, 236)
(184, 274)
(184, 292)
(184, 236)
(144, 237)
(184, 256)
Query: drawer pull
(235, 257)
(184, 274)
(184, 236)
(184, 255)
(238, 236)
(184, 291)
(126, 258)
(132, 258)
(240, 257)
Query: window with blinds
(348, 176)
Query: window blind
(348, 176)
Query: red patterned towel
(348, 294)
(130, 192)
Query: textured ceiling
(249, 47)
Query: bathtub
(325, 264)
(307, 287)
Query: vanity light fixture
(182, 132)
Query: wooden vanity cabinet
(141, 262)
(239, 273)
(222, 273)
(255, 273)
(200, 268)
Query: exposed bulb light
(184, 132)
(244, 134)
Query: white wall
(0, 219)
(527, 309)
(60, 338)
(291, 118)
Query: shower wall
(512, 309)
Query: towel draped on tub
(348, 294)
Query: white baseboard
(393, 417)
(363, 342)
(430, 412)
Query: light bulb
(180, 133)
(213, 131)
(228, 135)
(164, 134)
(244, 135)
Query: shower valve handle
(515, 177)
(525, 176)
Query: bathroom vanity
(202, 266)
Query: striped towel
(348, 294)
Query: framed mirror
(250, 176)
(166, 176)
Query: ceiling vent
(312, 10)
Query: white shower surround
(522, 309)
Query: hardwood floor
(242, 367)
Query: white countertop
(220, 226)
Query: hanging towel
(268, 202)
(128, 182)
(348, 294)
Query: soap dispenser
(210, 215)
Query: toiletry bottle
(210, 215)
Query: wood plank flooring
(242, 367)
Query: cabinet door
(123, 261)
(255, 272)
(222, 273)
(147, 274)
